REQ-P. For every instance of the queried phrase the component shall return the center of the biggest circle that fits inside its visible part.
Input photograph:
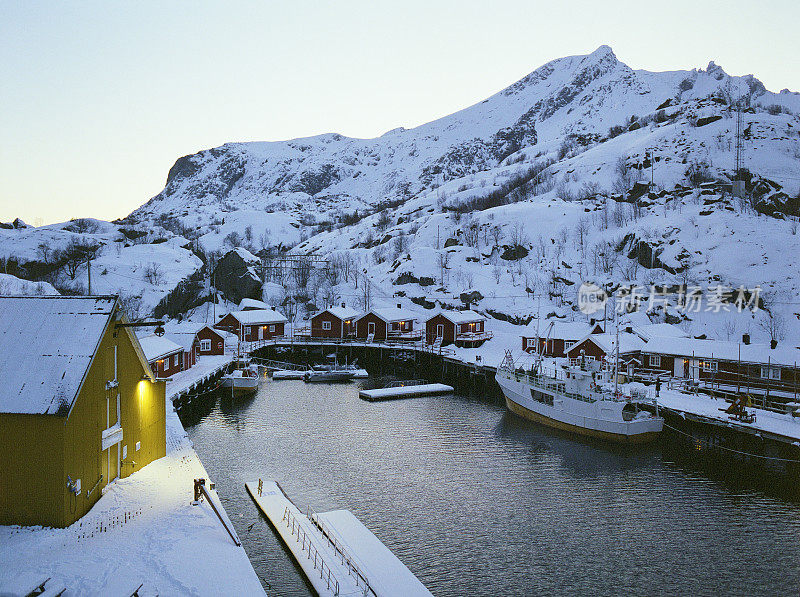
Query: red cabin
(253, 324)
(334, 322)
(393, 323)
(210, 342)
(166, 358)
(462, 328)
(557, 337)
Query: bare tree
(43, 251)
(444, 260)
(497, 234)
(153, 274)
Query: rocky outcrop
(237, 277)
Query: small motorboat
(330, 373)
(242, 380)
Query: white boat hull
(602, 419)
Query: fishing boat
(242, 380)
(582, 398)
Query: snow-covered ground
(144, 530)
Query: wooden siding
(39, 451)
(362, 326)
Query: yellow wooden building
(79, 406)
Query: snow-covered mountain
(576, 98)
(519, 198)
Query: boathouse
(462, 328)
(210, 342)
(731, 366)
(334, 322)
(392, 323)
(557, 337)
(253, 324)
(602, 346)
(79, 409)
(165, 357)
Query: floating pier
(287, 374)
(391, 393)
(337, 553)
(385, 573)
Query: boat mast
(616, 348)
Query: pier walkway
(337, 553)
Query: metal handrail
(401, 383)
(346, 559)
(307, 546)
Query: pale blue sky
(98, 99)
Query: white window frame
(205, 344)
(655, 360)
(175, 360)
(770, 372)
(272, 328)
(709, 366)
(326, 325)
(569, 344)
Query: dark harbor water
(478, 502)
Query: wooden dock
(337, 553)
(413, 391)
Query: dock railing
(346, 559)
(308, 548)
(401, 383)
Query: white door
(694, 369)
(678, 366)
(371, 328)
(440, 330)
(260, 332)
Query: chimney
(629, 329)
(342, 305)
(399, 306)
(773, 344)
(591, 321)
(745, 338)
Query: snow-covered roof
(658, 330)
(249, 304)
(46, 347)
(390, 314)
(343, 313)
(562, 330)
(158, 347)
(724, 350)
(226, 335)
(607, 342)
(460, 316)
(257, 316)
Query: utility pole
(89, 271)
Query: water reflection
(477, 501)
